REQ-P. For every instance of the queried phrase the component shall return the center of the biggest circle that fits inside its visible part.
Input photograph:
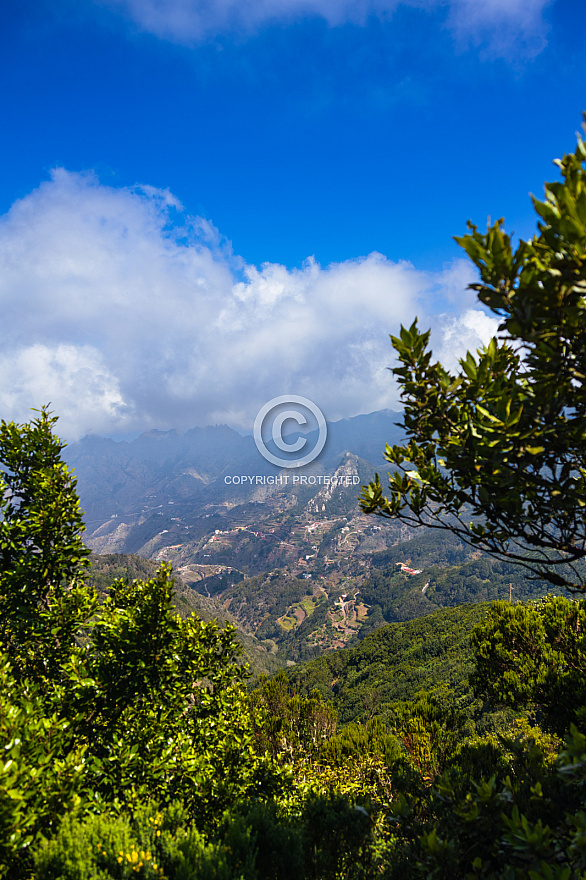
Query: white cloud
(502, 24)
(466, 332)
(72, 379)
(127, 314)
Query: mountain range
(294, 564)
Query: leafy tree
(102, 705)
(428, 731)
(355, 741)
(526, 824)
(287, 724)
(43, 598)
(165, 696)
(497, 452)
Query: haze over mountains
(285, 553)
(126, 479)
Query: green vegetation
(452, 574)
(396, 662)
(106, 569)
(447, 746)
(82, 683)
(136, 752)
(534, 656)
(112, 567)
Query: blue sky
(206, 205)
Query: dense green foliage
(137, 752)
(497, 453)
(327, 840)
(82, 683)
(396, 662)
(534, 656)
(287, 723)
(106, 569)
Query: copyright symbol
(277, 406)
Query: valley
(289, 558)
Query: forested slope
(396, 662)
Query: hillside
(395, 662)
(106, 569)
(293, 562)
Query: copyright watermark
(289, 408)
(343, 480)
